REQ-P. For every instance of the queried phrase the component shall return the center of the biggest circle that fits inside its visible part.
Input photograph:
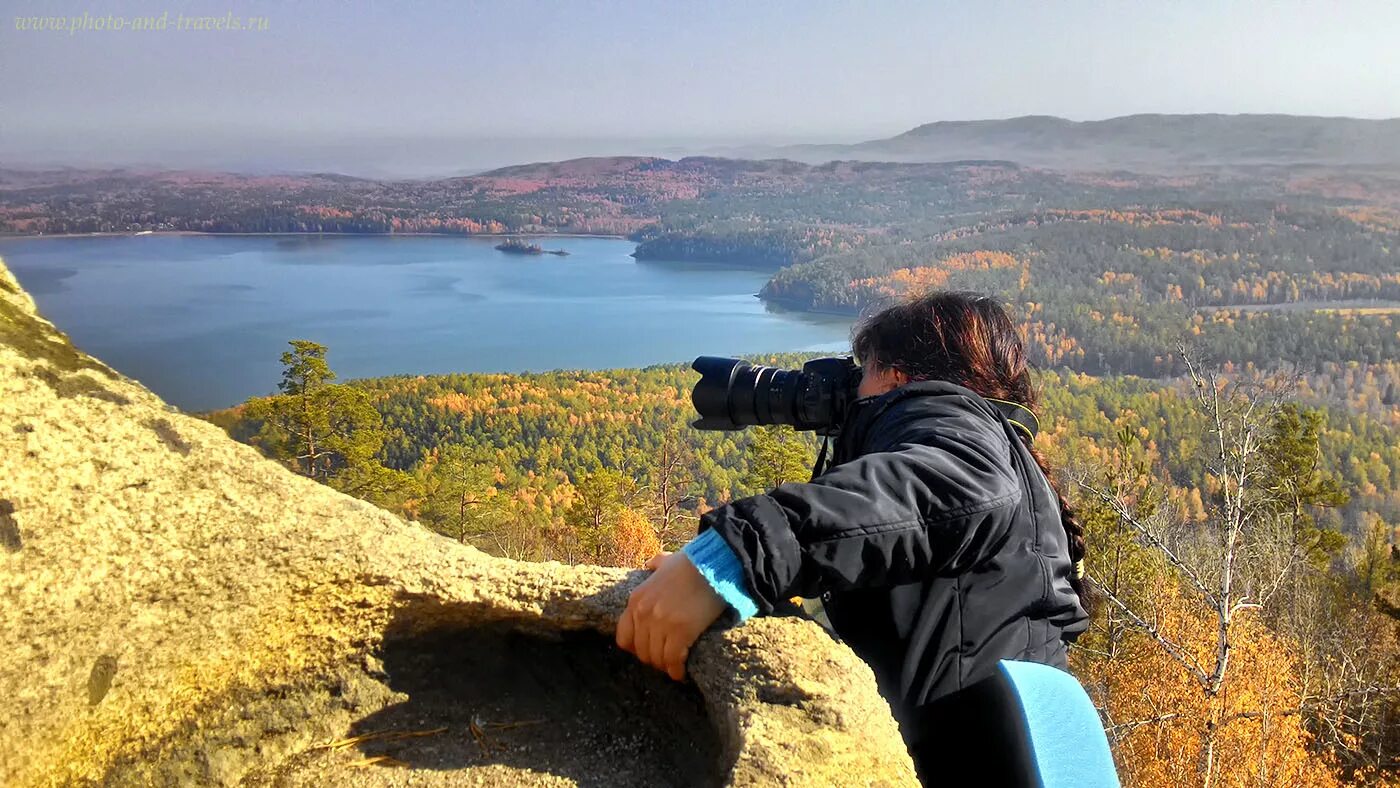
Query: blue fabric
(720, 568)
(1067, 738)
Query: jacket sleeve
(715, 562)
(883, 519)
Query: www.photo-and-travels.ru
(165, 22)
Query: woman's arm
(928, 498)
(883, 519)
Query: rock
(179, 610)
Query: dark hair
(968, 339)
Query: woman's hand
(667, 612)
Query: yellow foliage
(921, 279)
(631, 542)
(1162, 717)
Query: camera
(733, 394)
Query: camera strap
(1019, 415)
(820, 467)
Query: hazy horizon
(446, 89)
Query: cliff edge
(179, 610)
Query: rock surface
(179, 610)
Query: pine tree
(1376, 564)
(327, 431)
(777, 455)
(1295, 482)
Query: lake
(203, 320)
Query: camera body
(733, 394)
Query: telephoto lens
(733, 394)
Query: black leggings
(976, 736)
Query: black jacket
(934, 540)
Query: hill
(1135, 142)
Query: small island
(517, 246)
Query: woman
(936, 541)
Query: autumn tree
(630, 541)
(1159, 718)
(600, 500)
(1260, 461)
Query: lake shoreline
(793, 305)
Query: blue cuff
(720, 568)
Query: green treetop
(328, 431)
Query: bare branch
(1177, 652)
(1244, 606)
(1124, 728)
(1172, 558)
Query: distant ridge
(1151, 142)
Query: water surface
(203, 320)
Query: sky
(431, 87)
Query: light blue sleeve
(720, 568)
